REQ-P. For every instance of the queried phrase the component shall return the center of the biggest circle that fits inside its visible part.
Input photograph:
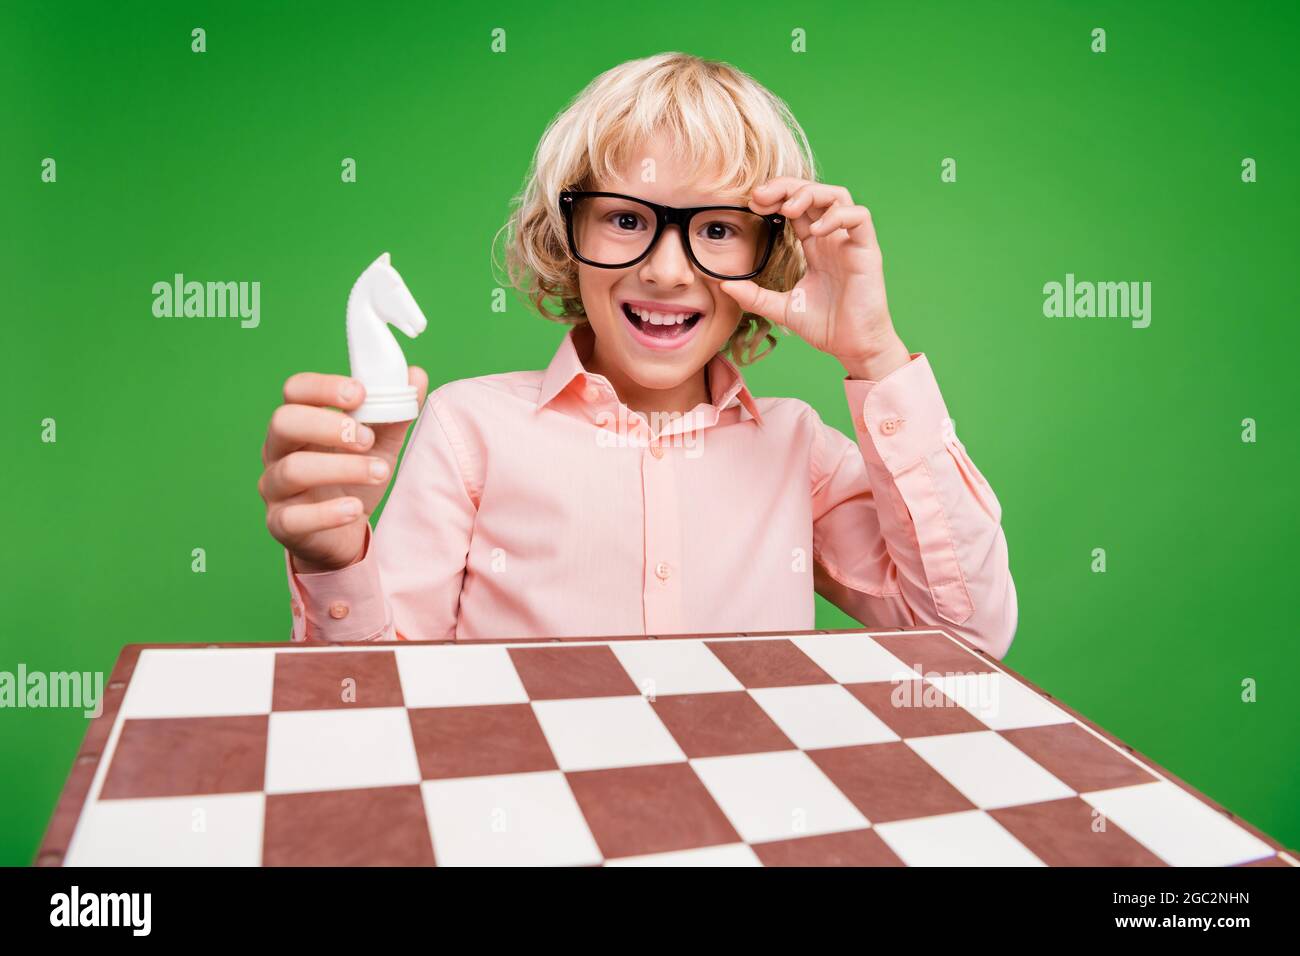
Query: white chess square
(339, 750)
(776, 796)
(200, 682)
(988, 770)
(969, 838)
(514, 819)
(602, 732)
(205, 830)
(457, 676)
(822, 715)
(853, 658)
(1176, 826)
(729, 854)
(1001, 702)
(659, 668)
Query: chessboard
(860, 748)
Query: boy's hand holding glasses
(839, 306)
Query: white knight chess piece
(379, 299)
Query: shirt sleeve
(906, 530)
(407, 584)
(344, 605)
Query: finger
(752, 297)
(297, 426)
(300, 470)
(316, 388)
(287, 523)
(856, 220)
(815, 198)
(776, 192)
(810, 203)
(770, 195)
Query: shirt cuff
(902, 418)
(343, 605)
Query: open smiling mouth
(661, 325)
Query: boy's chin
(664, 372)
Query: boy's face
(658, 354)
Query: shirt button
(339, 610)
(662, 571)
(297, 609)
(890, 425)
(656, 449)
(591, 393)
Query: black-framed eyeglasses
(614, 231)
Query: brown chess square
(915, 708)
(180, 756)
(850, 848)
(478, 741)
(557, 673)
(933, 654)
(383, 826)
(714, 725)
(1079, 759)
(889, 781)
(771, 663)
(307, 681)
(1069, 832)
(652, 809)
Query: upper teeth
(660, 318)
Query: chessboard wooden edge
(76, 789)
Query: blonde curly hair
(714, 115)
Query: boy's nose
(667, 264)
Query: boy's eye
(626, 221)
(718, 231)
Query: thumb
(420, 379)
(752, 297)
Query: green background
(226, 166)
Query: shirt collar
(726, 384)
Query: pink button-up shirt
(535, 504)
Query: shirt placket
(662, 584)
